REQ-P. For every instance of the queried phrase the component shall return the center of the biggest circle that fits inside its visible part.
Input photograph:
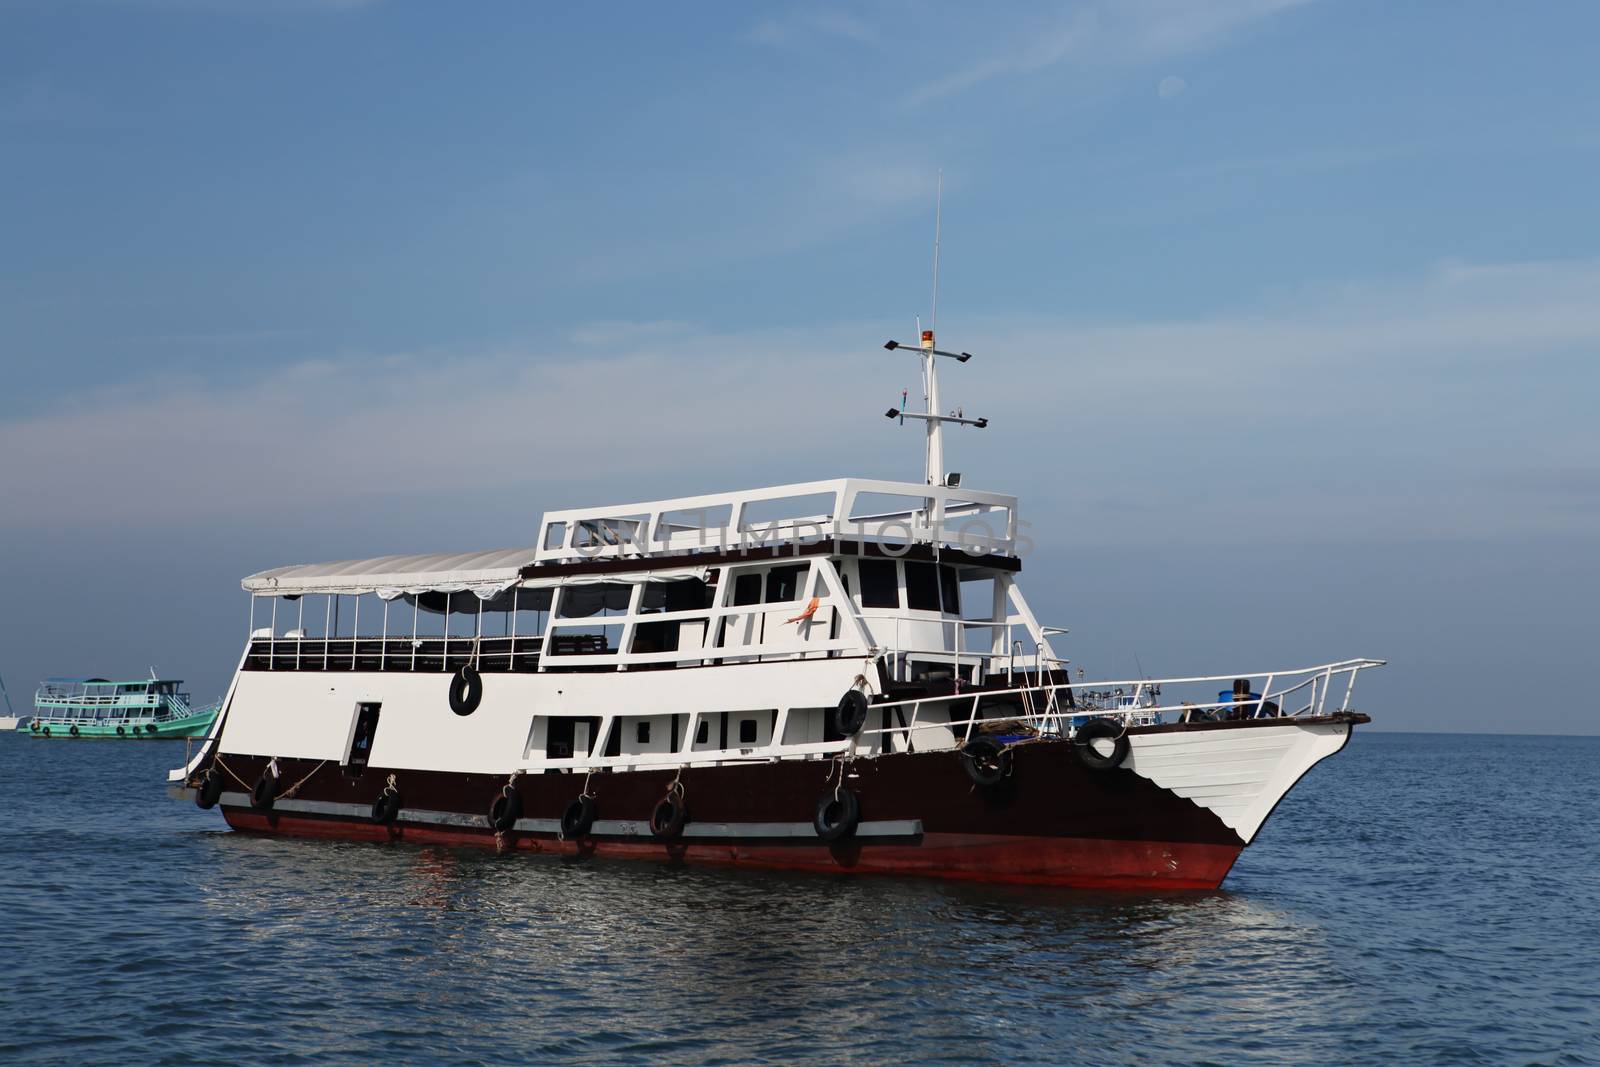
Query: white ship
(835, 676)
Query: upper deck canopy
(392, 576)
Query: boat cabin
(914, 584)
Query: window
(643, 733)
(783, 584)
(950, 590)
(747, 731)
(922, 587)
(746, 590)
(587, 601)
(702, 734)
(880, 584)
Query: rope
(288, 794)
(241, 781)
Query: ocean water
(1418, 899)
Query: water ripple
(1419, 899)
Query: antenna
(933, 472)
(938, 219)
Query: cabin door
(362, 732)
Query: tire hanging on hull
(505, 811)
(838, 815)
(466, 690)
(986, 761)
(1102, 730)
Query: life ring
(466, 690)
(265, 791)
(387, 807)
(578, 819)
(73, 730)
(121, 732)
(209, 791)
(669, 817)
(1102, 730)
(838, 815)
(850, 715)
(986, 761)
(505, 811)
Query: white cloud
(1398, 409)
(1102, 33)
(1171, 87)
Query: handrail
(1050, 718)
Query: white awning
(486, 574)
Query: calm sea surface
(1418, 899)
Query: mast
(933, 472)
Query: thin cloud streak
(1106, 34)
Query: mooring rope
(288, 794)
(241, 781)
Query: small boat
(138, 710)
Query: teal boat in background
(140, 710)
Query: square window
(703, 733)
(643, 733)
(747, 731)
(922, 587)
(880, 583)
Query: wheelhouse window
(950, 590)
(880, 583)
(746, 590)
(783, 584)
(922, 586)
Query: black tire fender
(387, 807)
(265, 792)
(669, 817)
(209, 791)
(73, 730)
(850, 715)
(466, 690)
(505, 811)
(986, 761)
(1102, 730)
(838, 815)
(579, 817)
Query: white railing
(980, 522)
(1043, 711)
(1046, 710)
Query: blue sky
(1286, 313)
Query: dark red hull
(1052, 822)
(1075, 862)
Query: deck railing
(1057, 709)
(1042, 710)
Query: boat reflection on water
(620, 953)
